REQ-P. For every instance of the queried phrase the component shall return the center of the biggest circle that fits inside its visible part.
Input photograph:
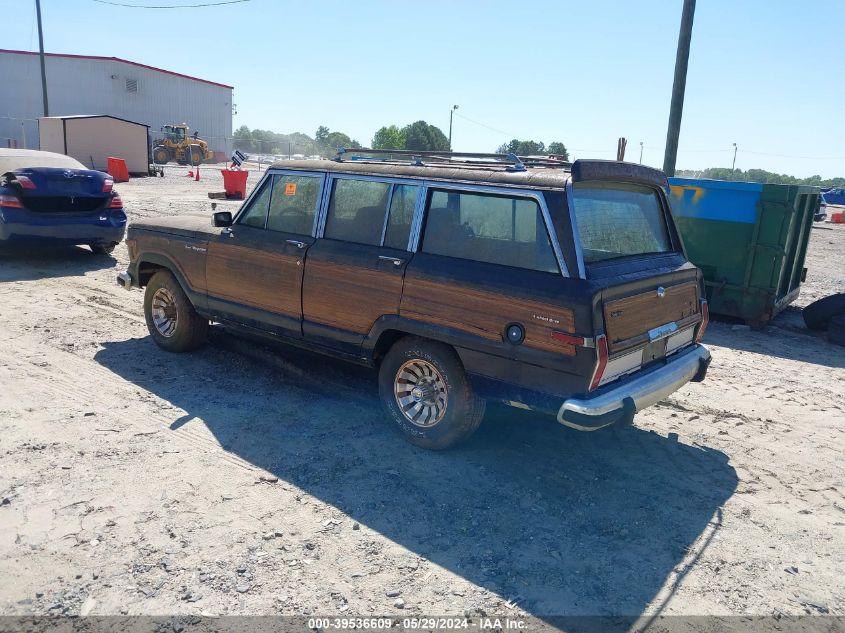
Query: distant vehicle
(834, 197)
(48, 197)
(179, 146)
(462, 281)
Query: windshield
(11, 160)
(618, 220)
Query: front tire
(171, 319)
(426, 393)
(193, 156)
(161, 155)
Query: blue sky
(767, 75)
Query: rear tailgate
(644, 317)
(647, 320)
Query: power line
(489, 127)
(171, 6)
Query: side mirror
(222, 218)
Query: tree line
(422, 136)
(323, 143)
(759, 175)
(417, 136)
(533, 148)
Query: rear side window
(619, 220)
(488, 228)
(256, 214)
(293, 204)
(356, 211)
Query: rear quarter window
(498, 229)
(619, 221)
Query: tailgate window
(618, 220)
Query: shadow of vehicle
(23, 263)
(562, 522)
(786, 336)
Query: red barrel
(234, 182)
(117, 169)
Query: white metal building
(85, 84)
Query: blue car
(53, 199)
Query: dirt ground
(242, 480)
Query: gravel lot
(243, 480)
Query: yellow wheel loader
(179, 146)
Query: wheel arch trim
(163, 261)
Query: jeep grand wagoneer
(557, 287)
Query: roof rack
(511, 161)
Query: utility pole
(678, 87)
(41, 50)
(733, 167)
(641, 152)
(451, 112)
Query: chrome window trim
(327, 193)
(576, 236)
(387, 213)
(507, 191)
(419, 211)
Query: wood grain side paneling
(629, 317)
(486, 314)
(349, 297)
(188, 254)
(266, 280)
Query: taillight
(25, 182)
(10, 202)
(108, 183)
(116, 202)
(570, 339)
(705, 321)
(601, 362)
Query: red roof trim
(118, 59)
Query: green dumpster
(749, 240)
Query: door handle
(396, 261)
(296, 243)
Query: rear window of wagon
(619, 220)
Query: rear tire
(836, 330)
(818, 314)
(171, 319)
(161, 155)
(427, 395)
(103, 249)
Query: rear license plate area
(68, 185)
(653, 351)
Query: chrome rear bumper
(631, 395)
(124, 279)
